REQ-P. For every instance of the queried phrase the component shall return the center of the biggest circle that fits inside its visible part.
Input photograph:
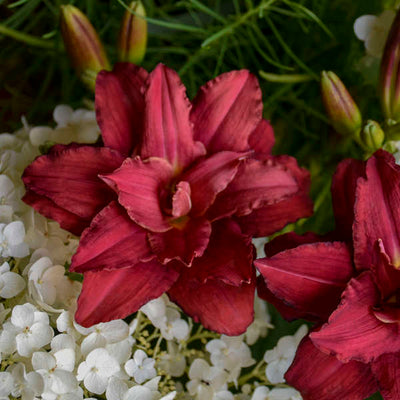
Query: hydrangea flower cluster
(158, 353)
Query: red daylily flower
(168, 204)
(353, 295)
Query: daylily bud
(132, 39)
(372, 135)
(82, 44)
(343, 112)
(389, 85)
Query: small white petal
(6, 384)
(13, 285)
(116, 389)
(95, 383)
(198, 369)
(62, 114)
(63, 382)
(363, 26)
(14, 233)
(65, 359)
(23, 316)
(43, 360)
(93, 341)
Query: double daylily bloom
(350, 289)
(171, 201)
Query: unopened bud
(132, 38)
(389, 80)
(372, 136)
(343, 112)
(83, 45)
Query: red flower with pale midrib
(167, 204)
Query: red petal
(139, 185)
(68, 221)
(272, 218)
(262, 140)
(181, 201)
(168, 132)
(387, 277)
(209, 177)
(377, 211)
(217, 306)
(69, 178)
(228, 257)
(322, 377)
(387, 371)
(226, 111)
(120, 106)
(353, 332)
(288, 312)
(344, 185)
(221, 283)
(108, 295)
(112, 241)
(181, 244)
(256, 184)
(310, 277)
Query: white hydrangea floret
(205, 380)
(78, 126)
(12, 237)
(26, 385)
(230, 353)
(11, 283)
(101, 334)
(262, 322)
(141, 367)
(32, 329)
(281, 357)
(48, 284)
(95, 371)
(56, 370)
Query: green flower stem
(26, 38)
(255, 373)
(285, 78)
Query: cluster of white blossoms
(157, 354)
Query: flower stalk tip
(83, 45)
(389, 81)
(372, 136)
(342, 110)
(132, 38)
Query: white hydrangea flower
(230, 352)
(32, 329)
(12, 237)
(42, 233)
(141, 367)
(102, 334)
(78, 126)
(281, 357)
(205, 381)
(121, 350)
(262, 322)
(166, 318)
(373, 31)
(65, 323)
(97, 369)
(173, 362)
(56, 370)
(11, 283)
(26, 385)
(264, 393)
(48, 284)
